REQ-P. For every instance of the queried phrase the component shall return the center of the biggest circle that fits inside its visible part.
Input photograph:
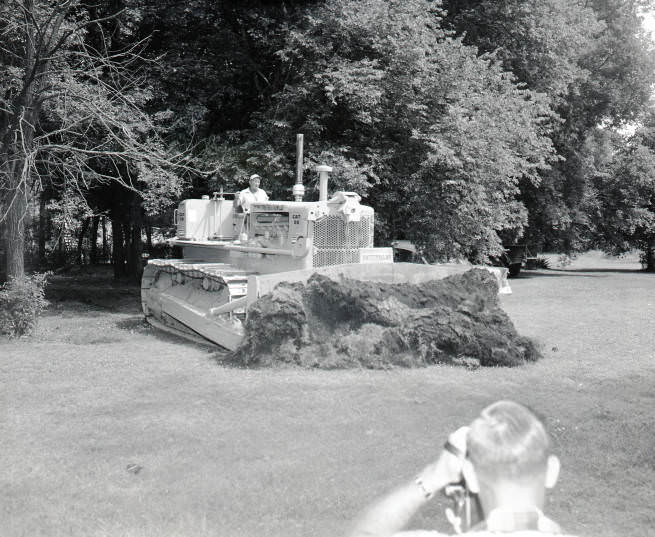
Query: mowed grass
(109, 428)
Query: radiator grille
(333, 232)
(337, 242)
(324, 258)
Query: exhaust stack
(323, 172)
(298, 190)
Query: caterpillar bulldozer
(231, 258)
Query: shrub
(537, 263)
(542, 263)
(21, 302)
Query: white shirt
(247, 197)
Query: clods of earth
(344, 323)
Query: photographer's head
(508, 457)
(505, 460)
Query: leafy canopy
(623, 206)
(435, 135)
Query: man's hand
(391, 514)
(448, 467)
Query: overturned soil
(343, 323)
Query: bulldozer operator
(250, 195)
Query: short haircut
(508, 442)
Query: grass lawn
(109, 428)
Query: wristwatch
(421, 485)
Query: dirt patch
(349, 323)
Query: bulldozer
(230, 259)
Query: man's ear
(470, 477)
(552, 471)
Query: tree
(543, 42)
(434, 136)
(458, 142)
(623, 207)
(595, 63)
(71, 112)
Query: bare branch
(60, 43)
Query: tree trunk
(3, 264)
(118, 249)
(79, 255)
(134, 251)
(17, 145)
(148, 227)
(16, 169)
(133, 239)
(61, 253)
(43, 228)
(93, 238)
(105, 250)
(15, 241)
(650, 255)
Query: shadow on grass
(123, 300)
(610, 270)
(576, 272)
(528, 275)
(139, 324)
(173, 336)
(136, 323)
(71, 309)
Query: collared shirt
(503, 521)
(247, 197)
(500, 522)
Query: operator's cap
(255, 176)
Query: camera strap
(450, 448)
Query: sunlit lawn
(109, 428)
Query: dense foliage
(72, 115)
(435, 136)
(468, 124)
(441, 135)
(623, 202)
(595, 63)
(463, 123)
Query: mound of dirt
(345, 323)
